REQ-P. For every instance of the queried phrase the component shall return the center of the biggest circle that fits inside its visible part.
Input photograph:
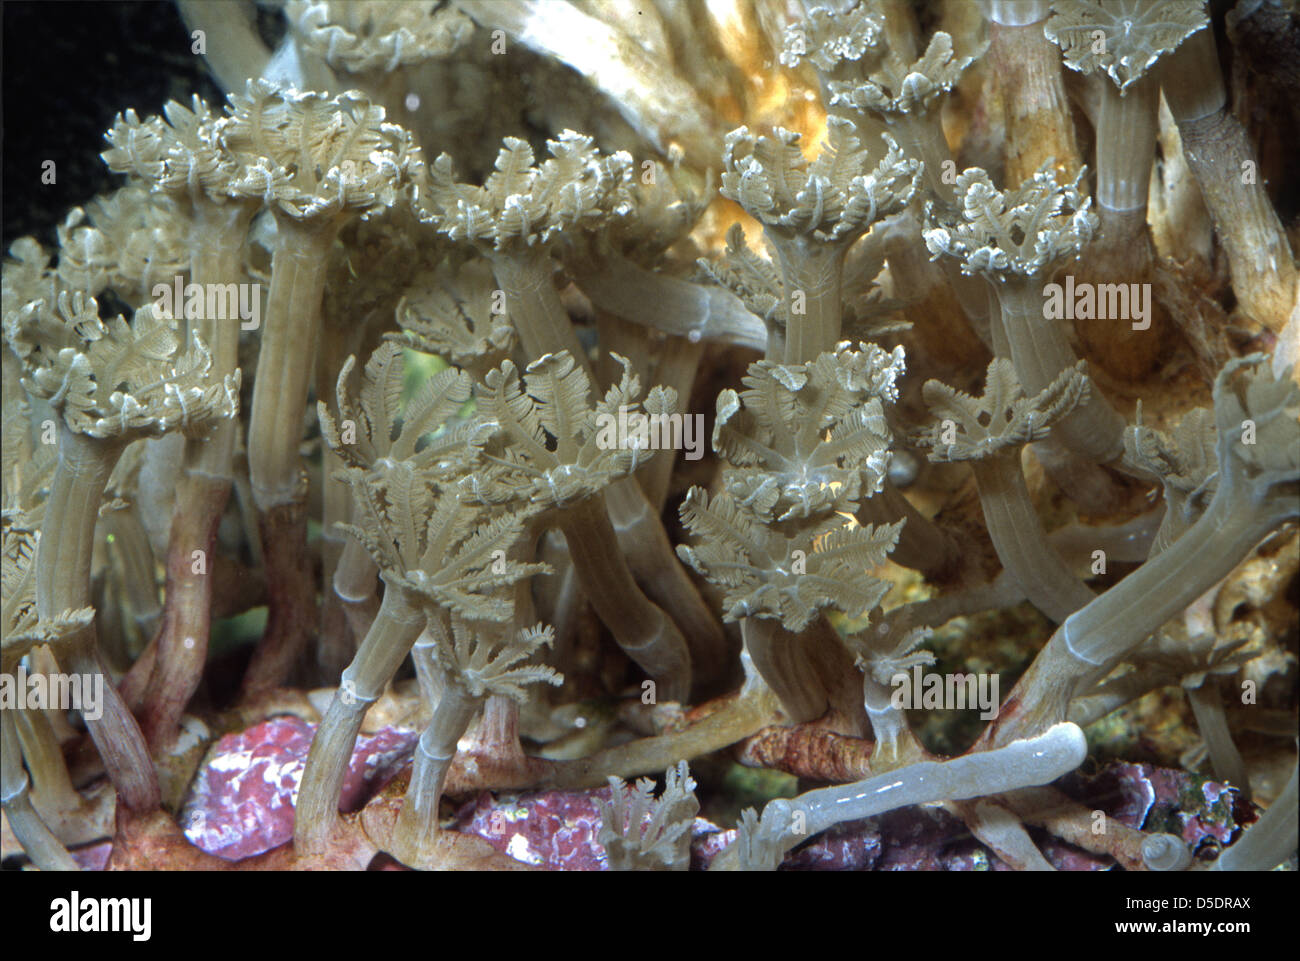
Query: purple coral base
(241, 804)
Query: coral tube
(111, 382)
(315, 162)
(179, 156)
(1221, 158)
(1258, 478)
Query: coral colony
(899, 397)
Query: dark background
(68, 69)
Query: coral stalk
(385, 646)
(63, 584)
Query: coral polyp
(506, 401)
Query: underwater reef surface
(745, 435)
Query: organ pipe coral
(1016, 239)
(990, 433)
(579, 464)
(663, 844)
(811, 214)
(109, 383)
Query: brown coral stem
(1260, 258)
(922, 545)
(1120, 259)
(291, 599)
(809, 751)
(1070, 821)
(203, 487)
(1039, 126)
(183, 638)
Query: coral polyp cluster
(511, 399)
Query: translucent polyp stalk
(921, 137)
(641, 629)
(1126, 143)
(131, 551)
(1004, 833)
(902, 31)
(540, 319)
(1165, 585)
(1093, 639)
(45, 850)
(678, 364)
(336, 641)
(811, 272)
(544, 327)
(1271, 840)
(808, 671)
(895, 743)
(1040, 351)
(1018, 13)
(936, 292)
(51, 784)
(356, 579)
(644, 542)
(1225, 760)
(385, 646)
(218, 242)
(417, 824)
(63, 584)
(1020, 541)
(284, 369)
(669, 304)
(775, 654)
(335, 644)
(745, 715)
